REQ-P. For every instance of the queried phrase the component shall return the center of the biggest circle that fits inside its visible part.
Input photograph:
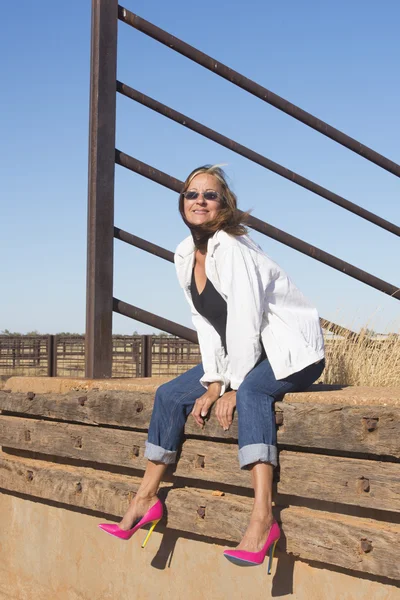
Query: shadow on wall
(282, 580)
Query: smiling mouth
(201, 212)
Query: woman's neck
(201, 241)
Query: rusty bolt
(30, 395)
(29, 475)
(366, 545)
(371, 423)
(200, 462)
(135, 451)
(279, 418)
(78, 442)
(27, 435)
(82, 400)
(78, 487)
(365, 484)
(139, 407)
(201, 511)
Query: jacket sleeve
(245, 293)
(215, 363)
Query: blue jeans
(255, 399)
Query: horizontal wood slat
(367, 483)
(370, 429)
(357, 544)
(199, 459)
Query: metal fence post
(54, 356)
(149, 355)
(103, 66)
(143, 356)
(50, 355)
(146, 352)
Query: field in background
(351, 359)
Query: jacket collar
(187, 247)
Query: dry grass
(362, 360)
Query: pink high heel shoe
(153, 516)
(244, 558)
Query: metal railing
(103, 156)
(64, 355)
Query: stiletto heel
(150, 532)
(153, 516)
(271, 556)
(247, 559)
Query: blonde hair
(229, 217)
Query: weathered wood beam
(365, 429)
(200, 459)
(356, 544)
(351, 428)
(366, 483)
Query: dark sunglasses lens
(210, 195)
(191, 195)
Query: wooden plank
(369, 429)
(368, 483)
(121, 408)
(350, 542)
(356, 544)
(205, 460)
(126, 409)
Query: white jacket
(262, 304)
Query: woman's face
(200, 210)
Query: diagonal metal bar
(256, 89)
(262, 227)
(265, 162)
(138, 314)
(139, 242)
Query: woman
(259, 339)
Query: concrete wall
(51, 553)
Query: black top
(211, 305)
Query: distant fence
(64, 356)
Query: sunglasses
(208, 195)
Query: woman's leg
(173, 403)
(146, 495)
(257, 439)
(261, 516)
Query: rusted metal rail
(255, 157)
(174, 184)
(255, 89)
(144, 316)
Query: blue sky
(338, 61)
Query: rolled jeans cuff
(158, 454)
(253, 453)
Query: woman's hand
(225, 408)
(205, 402)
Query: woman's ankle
(262, 514)
(145, 496)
